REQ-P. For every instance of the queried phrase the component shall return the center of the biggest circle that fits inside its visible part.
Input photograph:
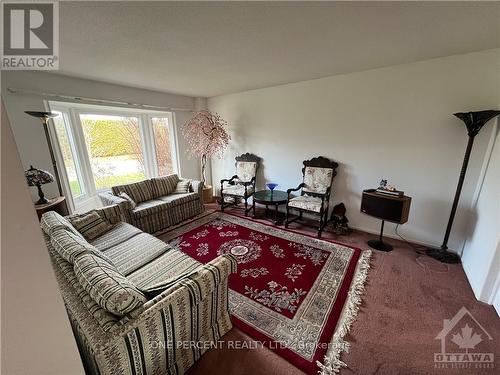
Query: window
(101, 147)
(163, 145)
(69, 156)
(115, 149)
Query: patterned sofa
(136, 305)
(157, 204)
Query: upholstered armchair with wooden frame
(315, 191)
(242, 184)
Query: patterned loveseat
(136, 305)
(157, 203)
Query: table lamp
(38, 177)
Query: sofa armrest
(195, 310)
(202, 284)
(216, 266)
(197, 187)
(109, 199)
(113, 213)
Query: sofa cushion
(69, 246)
(139, 191)
(183, 186)
(164, 271)
(119, 233)
(148, 208)
(52, 221)
(176, 199)
(135, 252)
(108, 287)
(164, 185)
(90, 225)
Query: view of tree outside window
(162, 145)
(114, 148)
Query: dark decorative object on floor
(38, 177)
(44, 117)
(474, 121)
(338, 220)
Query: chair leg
(246, 206)
(325, 219)
(286, 217)
(221, 202)
(320, 228)
(253, 206)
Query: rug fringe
(332, 363)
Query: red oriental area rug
(296, 294)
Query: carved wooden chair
(315, 191)
(242, 184)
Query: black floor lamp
(44, 117)
(474, 121)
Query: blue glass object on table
(271, 186)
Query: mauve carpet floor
(406, 298)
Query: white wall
(36, 334)
(393, 123)
(481, 256)
(28, 132)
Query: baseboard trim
(394, 236)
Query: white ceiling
(208, 49)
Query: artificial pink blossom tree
(206, 136)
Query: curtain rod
(95, 100)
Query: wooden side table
(57, 204)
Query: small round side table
(271, 198)
(57, 204)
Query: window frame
(72, 111)
(65, 182)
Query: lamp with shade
(38, 177)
